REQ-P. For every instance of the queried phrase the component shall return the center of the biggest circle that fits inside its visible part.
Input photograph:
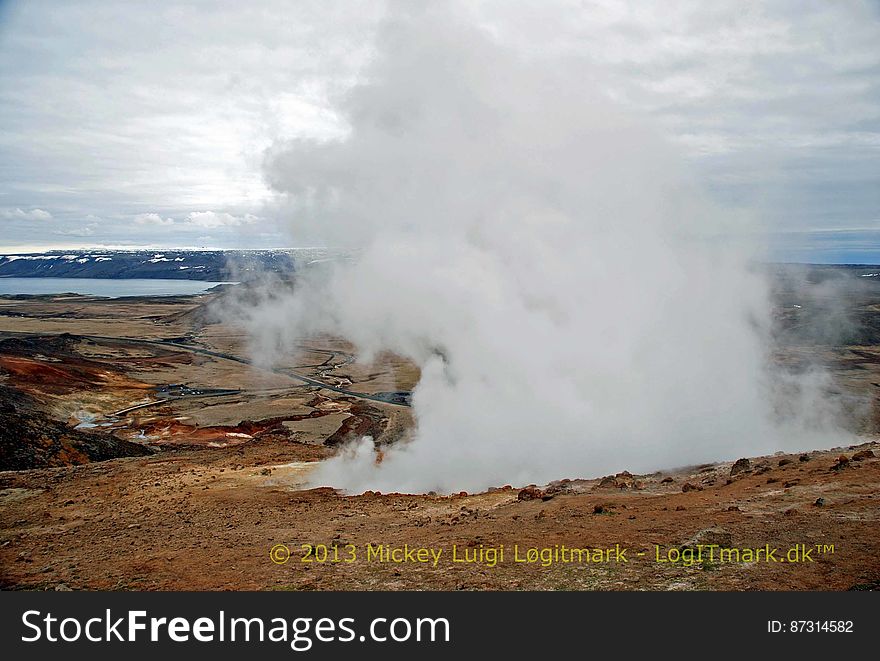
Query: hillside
(213, 265)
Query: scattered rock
(680, 508)
(599, 509)
(791, 483)
(772, 480)
(623, 480)
(842, 462)
(266, 471)
(606, 482)
(790, 512)
(819, 502)
(558, 488)
(863, 454)
(740, 466)
(733, 508)
(667, 480)
(531, 492)
(63, 587)
(689, 486)
(785, 462)
(804, 457)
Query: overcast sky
(127, 123)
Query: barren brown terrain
(148, 454)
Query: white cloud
(214, 219)
(21, 214)
(152, 219)
(88, 230)
(759, 94)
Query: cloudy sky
(129, 123)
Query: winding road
(394, 399)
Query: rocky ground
(207, 519)
(140, 451)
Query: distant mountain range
(238, 265)
(213, 265)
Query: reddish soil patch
(49, 377)
(162, 432)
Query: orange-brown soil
(207, 519)
(230, 458)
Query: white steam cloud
(541, 256)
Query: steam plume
(545, 260)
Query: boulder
(531, 492)
(623, 480)
(740, 466)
